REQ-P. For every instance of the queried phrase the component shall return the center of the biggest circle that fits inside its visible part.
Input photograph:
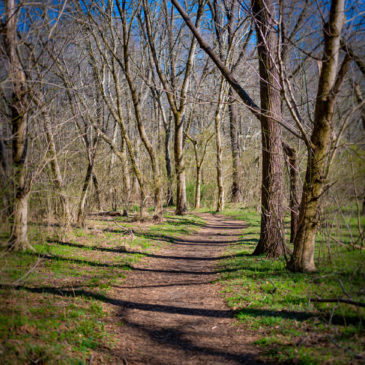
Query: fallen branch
(346, 301)
(107, 214)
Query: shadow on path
(124, 304)
(176, 339)
(125, 251)
(188, 311)
(125, 266)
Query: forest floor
(183, 291)
(172, 309)
(122, 292)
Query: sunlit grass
(42, 319)
(276, 305)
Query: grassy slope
(54, 302)
(275, 303)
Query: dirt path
(173, 311)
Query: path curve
(174, 313)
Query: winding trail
(174, 313)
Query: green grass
(53, 308)
(58, 312)
(274, 303)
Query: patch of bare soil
(171, 311)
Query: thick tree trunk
(292, 163)
(19, 230)
(18, 239)
(272, 228)
(302, 259)
(179, 167)
(236, 189)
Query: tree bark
(97, 192)
(272, 227)
(220, 196)
(126, 190)
(236, 189)
(197, 187)
(85, 188)
(292, 163)
(181, 208)
(19, 107)
(302, 259)
(170, 198)
(19, 231)
(5, 184)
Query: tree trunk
(97, 192)
(292, 163)
(272, 228)
(198, 183)
(220, 200)
(302, 259)
(236, 189)
(179, 167)
(126, 190)
(19, 231)
(91, 149)
(114, 140)
(56, 172)
(85, 187)
(6, 183)
(18, 239)
(170, 198)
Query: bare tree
(176, 99)
(199, 160)
(272, 225)
(19, 107)
(315, 179)
(272, 230)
